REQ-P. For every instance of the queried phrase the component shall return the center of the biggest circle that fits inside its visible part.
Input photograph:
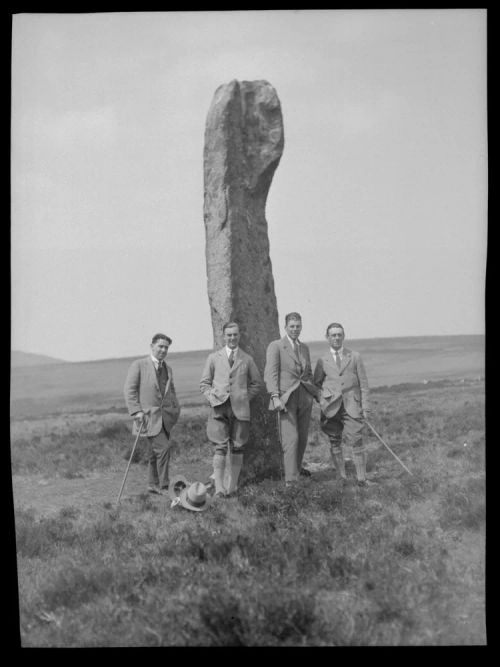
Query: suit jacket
(284, 372)
(240, 383)
(348, 385)
(142, 392)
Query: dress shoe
(154, 489)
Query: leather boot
(234, 473)
(219, 464)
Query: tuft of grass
(463, 506)
(41, 537)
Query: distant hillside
(19, 359)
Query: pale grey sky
(377, 212)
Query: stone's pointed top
(234, 87)
(237, 82)
(257, 82)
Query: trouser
(223, 430)
(294, 430)
(159, 459)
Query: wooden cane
(386, 445)
(130, 461)
(280, 443)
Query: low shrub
(463, 506)
(39, 538)
(221, 615)
(119, 430)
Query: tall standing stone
(243, 146)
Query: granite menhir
(243, 145)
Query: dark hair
(160, 336)
(230, 324)
(334, 324)
(292, 316)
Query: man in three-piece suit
(344, 400)
(150, 396)
(230, 380)
(289, 380)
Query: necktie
(337, 359)
(231, 358)
(162, 376)
(297, 353)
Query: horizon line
(210, 349)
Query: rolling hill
(19, 359)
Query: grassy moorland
(398, 563)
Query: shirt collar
(155, 361)
(229, 350)
(341, 352)
(291, 341)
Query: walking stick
(130, 461)
(386, 445)
(228, 472)
(280, 443)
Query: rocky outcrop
(243, 145)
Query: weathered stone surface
(243, 145)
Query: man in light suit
(289, 380)
(344, 400)
(230, 380)
(150, 396)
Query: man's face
(232, 337)
(293, 328)
(335, 337)
(159, 349)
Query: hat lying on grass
(195, 497)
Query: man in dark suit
(230, 380)
(289, 380)
(150, 396)
(344, 400)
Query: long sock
(360, 464)
(236, 463)
(338, 459)
(219, 463)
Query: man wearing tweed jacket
(289, 380)
(340, 377)
(150, 397)
(230, 380)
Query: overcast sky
(377, 212)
